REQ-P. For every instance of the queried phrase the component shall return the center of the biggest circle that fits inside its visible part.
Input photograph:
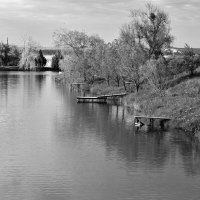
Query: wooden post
(162, 124)
(78, 87)
(151, 122)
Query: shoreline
(16, 68)
(183, 110)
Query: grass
(181, 102)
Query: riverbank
(180, 101)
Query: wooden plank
(86, 97)
(97, 99)
(113, 95)
(91, 98)
(151, 117)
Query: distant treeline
(13, 55)
(9, 55)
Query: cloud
(103, 17)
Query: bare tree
(132, 56)
(113, 62)
(76, 42)
(131, 61)
(86, 51)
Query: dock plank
(98, 99)
(113, 95)
(152, 117)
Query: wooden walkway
(150, 117)
(91, 100)
(112, 95)
(98, 99)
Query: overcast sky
(40, 18)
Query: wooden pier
(91, 99)
(151, 119)
(99, 99)
(112, 95)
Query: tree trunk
(137, 87)
(108, 80)
(118, 81)
(124, 85)
(85, 78)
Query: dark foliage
(9, 55)
(55, 61)
(191, 60)
(40, 60)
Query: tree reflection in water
(113, 127)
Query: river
(52, 148)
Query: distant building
(49, 60)
(171, 52)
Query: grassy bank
(181, 101)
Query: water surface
(52, 148)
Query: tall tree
(132, 59)
(151, 28)
(84, 52)
(55, 64)
(132, 56)
(40, 60)
(76, 42)
(113, 61)
(29, 53)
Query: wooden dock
(91, 99)
(113, 95)
(98, 99)
(151, 119)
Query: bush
(175, 66)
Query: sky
(38, 19)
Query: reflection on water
(53, 148)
